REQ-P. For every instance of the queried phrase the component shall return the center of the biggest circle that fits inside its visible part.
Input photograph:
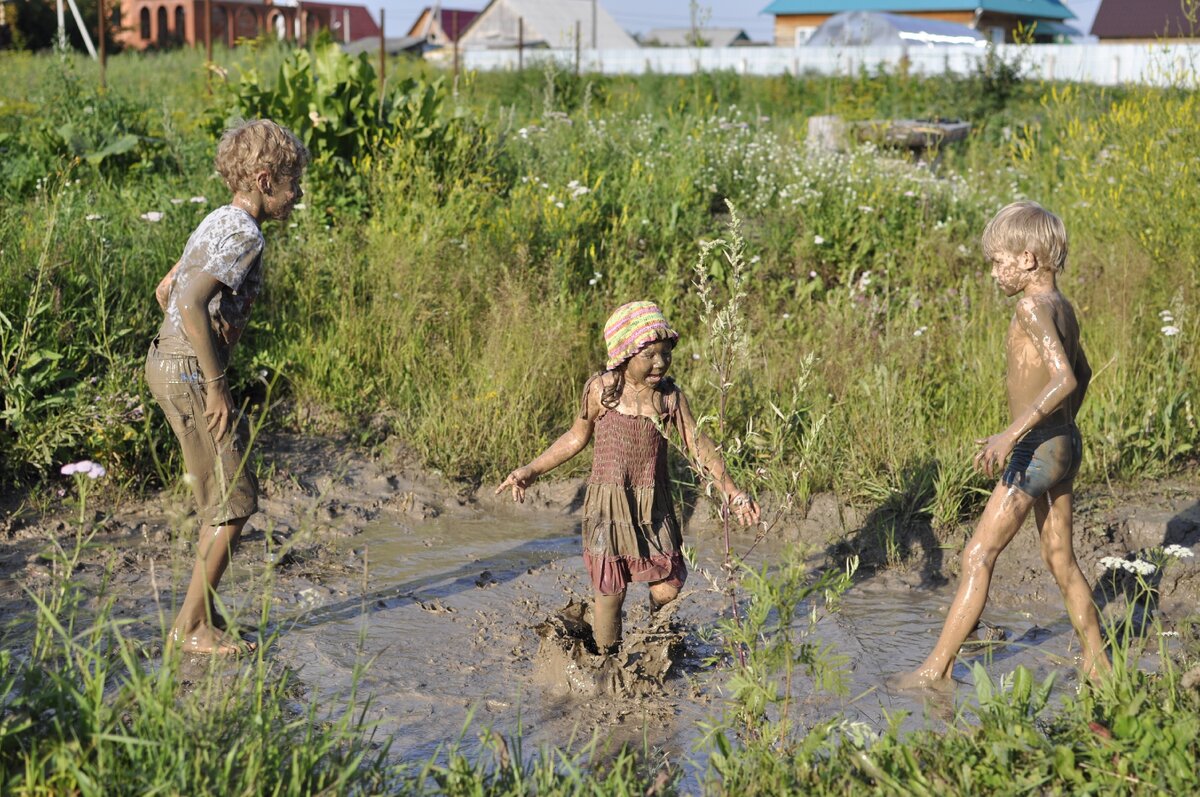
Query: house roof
(454, 22)
(362, 24)
(682, 37)
(548, 21)
(1043, 9)
(1141, 19)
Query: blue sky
(642, 15)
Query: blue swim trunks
(1043, 458)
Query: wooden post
(382, 62)
(208, 45)
(102, 27)
(456, 62)
(520, 43)
(577, 35)
(594, 39)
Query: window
(144, 24)
(162, 25)
(180, 23)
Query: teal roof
(1036, 9)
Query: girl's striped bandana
(631, 327)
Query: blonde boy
(206, 298)
(1048, 376)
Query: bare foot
(917, 681)
(206, 640)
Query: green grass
(457, 306)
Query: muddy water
(442, 632)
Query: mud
(457, 611)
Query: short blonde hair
(249, 147)
(1027, 226)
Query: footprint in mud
(567, 661)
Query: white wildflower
(812, 275)
(152, 215)
(1112, 563)
(559, 205)
(1178, 551)
(1142, 567)
(865, 209)
(93, 217)
(818, 240)
(1170, 331)
(177, 201)
(198, 200)
(299, 206)
(919, 331)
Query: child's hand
(218, 408)
(519, 480)
(994, 454)
(745, 509)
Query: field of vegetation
(461, 243)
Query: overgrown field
(447, 279)
(463, 241)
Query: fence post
(100, 29)
(520, 43)
(577, 35)
(382, 60)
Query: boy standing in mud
(206, 298)
(1048, 376)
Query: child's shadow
(899, 533)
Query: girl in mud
(630, 530)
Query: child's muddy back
(568, 663)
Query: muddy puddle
(457, 624)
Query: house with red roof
(795, 20)
(441, 27)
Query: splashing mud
(567, 661)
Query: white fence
(1105, 64)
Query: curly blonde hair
(249, 147)
(1027, 226)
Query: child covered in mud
(630, 530)
(206, 299)
(1048, 376)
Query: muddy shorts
(1044, 458)
(218, 472)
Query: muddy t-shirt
(227, 245)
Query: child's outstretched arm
(704, 453)
(566, 446)
(1039, 326)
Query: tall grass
(462, 312)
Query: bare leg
(606, 621)
(1053, 515)
(1001, 520)
(195, 629)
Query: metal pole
(456, 62)
(101, 29)
(83, 31)
(593, 24)
(520, 43)
(577, 35)
(62, 26)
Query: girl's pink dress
(630, 531)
